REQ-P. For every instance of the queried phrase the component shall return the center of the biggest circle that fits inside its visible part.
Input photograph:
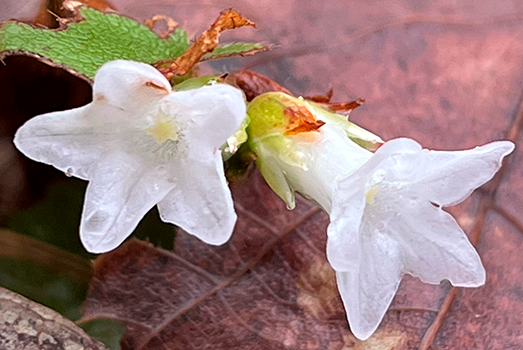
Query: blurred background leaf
(109, 332)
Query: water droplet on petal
(69, 172)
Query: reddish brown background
(446, 73)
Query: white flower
(140, 144)
(385, 208)
(387, 220)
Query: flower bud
(296, 142)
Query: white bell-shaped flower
(140, 144)
(387, 220)
(385, 208)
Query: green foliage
(109, 332)
(56, 220)
(99, 38)
(235, 49)
(194, 83)
(50, 288)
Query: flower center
(370, 194)
(163, 129)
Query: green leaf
(88, 44)
(194, 83)
(47, 287)
(56, 219)
(235, 49)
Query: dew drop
(69, 172)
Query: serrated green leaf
(99, 38)
(235, 49)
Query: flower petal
(72, 140)
(435, 247)
(121, 191)
(64, 140)
(368, 291)
(343, 247)
(128, 86)
(450, 177)
(208, 115)
(201, 202)
(442, 177)
(348, 204)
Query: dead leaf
(270, 287)
(300, 120)
(207, 42)
(322, 98)
(52, 10)
(168, 21)
(343, 107)
(254, 84)
(25, 324)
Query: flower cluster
(140, 144)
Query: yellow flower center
(163, 129)
(371, 193)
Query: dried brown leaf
(301, 120)
(343, 107)
(169, 22)
(25, 324)
(207, 42)
(322, 98)
(52, 11)
(270, 287)
(254, 84)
